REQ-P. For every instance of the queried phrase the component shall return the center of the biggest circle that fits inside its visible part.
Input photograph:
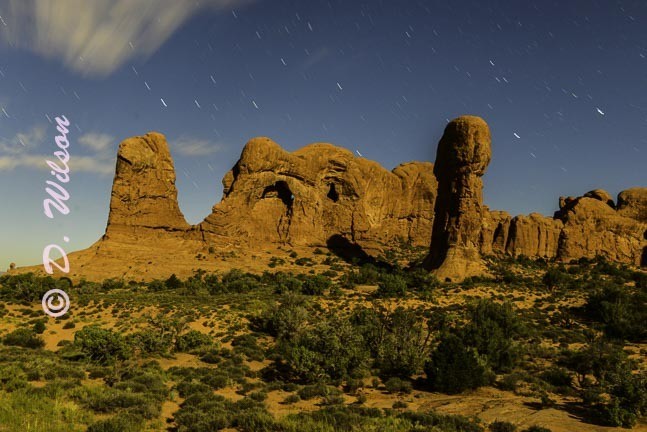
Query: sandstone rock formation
(534, 235)
(587, 226)
(632, 203)
(144, 197)
(464, 229)
(462, 157)
(593, 226)
(322, 193)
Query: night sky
(562, 84)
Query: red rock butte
(324, 196)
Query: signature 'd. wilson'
(57, 201)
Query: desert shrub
(101, 345)
(205, 412)
(212, 356)
(396, 385)
(237, 281)
(316, 390)
(556, 278)
(293, 398)
(194, 284)
(151, 342)
(622, 310)
(391, 285)
(12, 378)
(536, 429)
(442, 422)
(259, 396)
(192, 340)
(455, 366)
(421, 280)
(612, 372)
(502, 426)
(330, 350)
(108, 400)
(398, 340)
(39, 327)
(112, 284)
(284, 282)
(368, 274)
(69, 325)
(352, 385)
(303, 261)
(315, 284)
(247, 346)
(558, 377)
(285, 319)
(274, 261)
(173, 282)
(491, 330)
(25, 287)
(628, 397)
(156, 285)
(25, 338)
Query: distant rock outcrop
(320, 193)
(593, 226)
(461, 160)
(534, 236)
(464, 229)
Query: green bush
(101, 345)
(26, 287)
(315, 284)
(235, 281)
(330, 350)
(192, 340)
(556, 278)
(284, 320)
(151, 341)
(25, 338)
(456, 367)
(491, 330)
(122, 422)
(622, 310)
(612, 372)
(502, 426)
(39, 327)
(391, 285)
(317, 390)
(396, 385)
(557, 377)
(173, 282)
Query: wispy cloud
(98, 142)
(22, 151)
(195, 147)
(23, 141)
(95, 37)
(88, 164)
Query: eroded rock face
(144, 196)
(534, 235)
(321, 194)
(633, 203)
(592, 226)
(461, 160)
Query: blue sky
(563, 86)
